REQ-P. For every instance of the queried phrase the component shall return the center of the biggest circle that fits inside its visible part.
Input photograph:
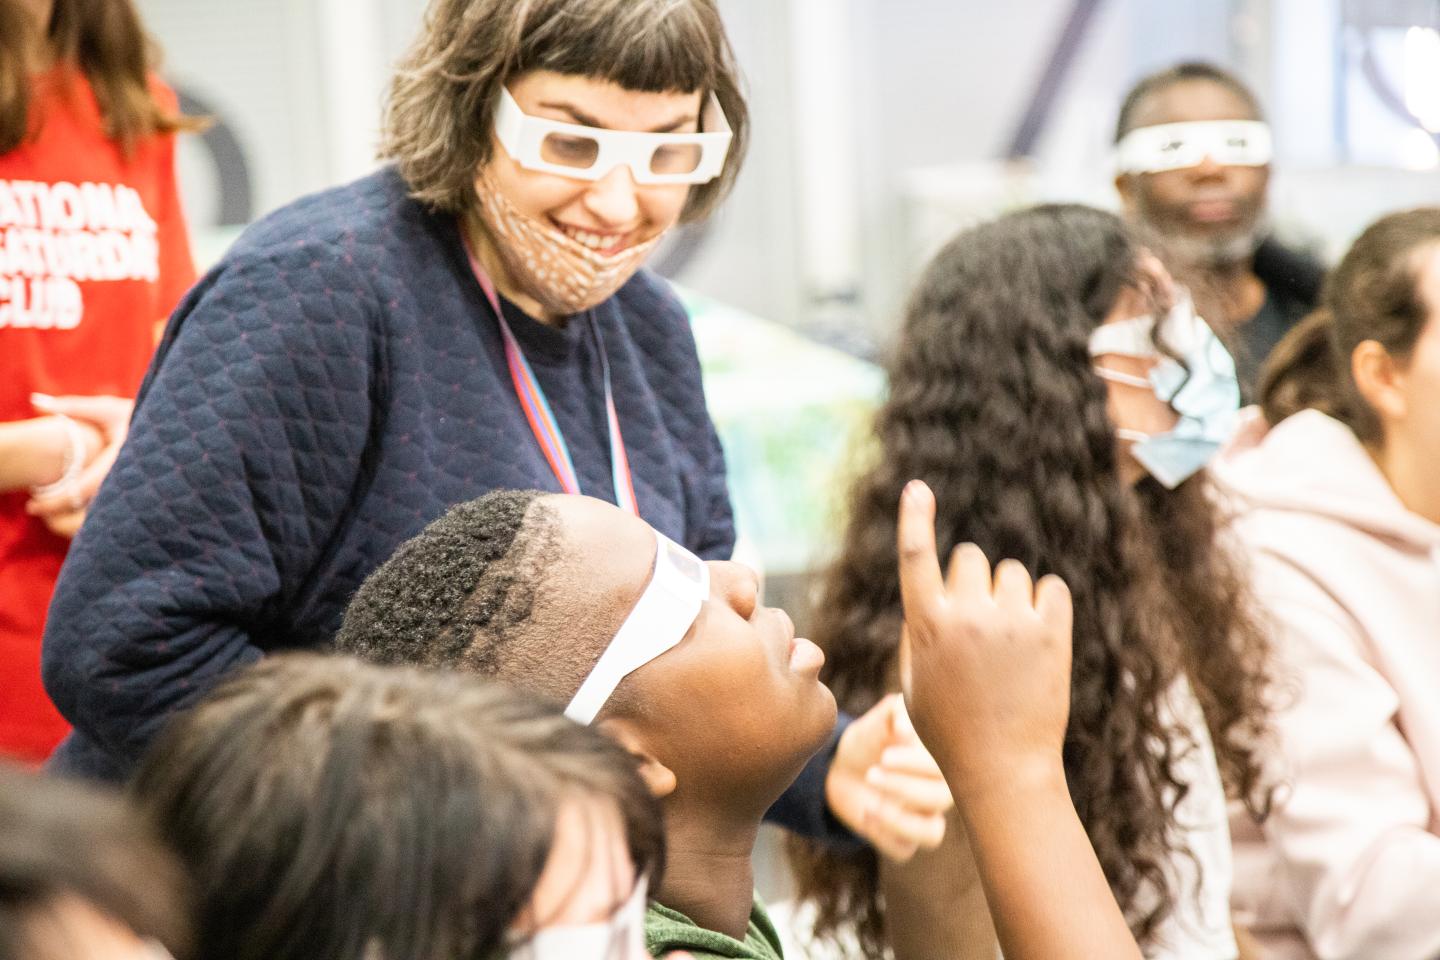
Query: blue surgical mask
(1206, 395)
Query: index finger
(921, 584)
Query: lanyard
(542, 419)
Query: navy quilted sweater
(331, 387)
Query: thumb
(103, 411)
(900, 721)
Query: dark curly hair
(994, 404)
(462, 595)
(329, 809)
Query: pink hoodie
(1351, 579)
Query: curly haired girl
(1029, 442)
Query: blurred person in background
(473, 317)
(334, 810)
(1338, 508)
(1033, 388)
(1193, 171)
(93, 255)
(83, 876)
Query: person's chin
(1215, 244)
(821, 713)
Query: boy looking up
(531, 589)
(538, 591)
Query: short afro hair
(479, 590)
(1181, 73)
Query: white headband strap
(659, 620)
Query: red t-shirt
(93, 252)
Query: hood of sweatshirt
(1314, 464)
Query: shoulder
(372, 218)
(1289, 272)
(667, 930)
(162, 93)
(653, 319)
(648, 303)
(366, 242)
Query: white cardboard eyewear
(659, 621)
(590, 153)
(1174, 146)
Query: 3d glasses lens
(567, 150)
(676, 159)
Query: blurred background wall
(881, 125)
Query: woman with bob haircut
(473, 317)
(70, 859)
(328, 809)
(1025, 390)
(93, 256)
(1338, 509)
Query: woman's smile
(604, 242)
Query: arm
(238, 465)
(1047, 894)
(935, 903)
(111, 415)
(35, 452)
(715, 539)
(1354, 834)
(986, 671)
(63, 506)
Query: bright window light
(1422, 76)
(1418, 150)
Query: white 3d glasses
(589, 153)
(1174, 146)
(622, 937)
(660, 619)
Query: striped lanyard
(542, 419)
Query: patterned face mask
(563, 275)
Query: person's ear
(659, 778)
(1126, 184)
(1380, 378)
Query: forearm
(1047, 894)
(935, 904)
(32, 452)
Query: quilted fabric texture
(333, 385)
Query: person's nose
(614, 198)
(738, 584)
(1208, 169)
